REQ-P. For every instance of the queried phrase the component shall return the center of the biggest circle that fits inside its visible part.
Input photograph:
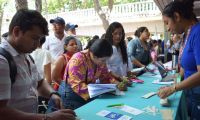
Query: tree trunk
(38, 5)
(46, 8)
(74, 7)
(2, 6)
(84, 4)
(101, 14)
(1, 19)
(110, 5)
(21, 4)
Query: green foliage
(125, 1)
(85, 39)
(2, 4)
(55, 6)
(87, 4)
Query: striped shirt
(22, 94)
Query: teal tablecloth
(133, 98)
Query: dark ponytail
(101, 48)
(189, 3)
(184, 8)
(140, 30)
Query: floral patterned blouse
(80, 72)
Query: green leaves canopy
(55, 6)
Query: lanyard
(183, 45)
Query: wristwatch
(55, 93)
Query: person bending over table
(83, 68)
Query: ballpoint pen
(115, 105)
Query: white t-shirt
(116, 65)
(169, 49)
(22, 94)
(177, 45)
(54, 45)
(41, 57)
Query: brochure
(98, 89)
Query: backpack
(13, 73)
(11, 63)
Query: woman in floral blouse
(86, 67)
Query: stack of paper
(98, 89)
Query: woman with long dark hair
(179, 18)
(118, 62)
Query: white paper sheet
(98, 89)
(130, 110)
(162, 83)
(113, 116)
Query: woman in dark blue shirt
(179, 18)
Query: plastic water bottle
(174, 59)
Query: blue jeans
(70, 99)
(193, 105)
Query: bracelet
(55, 93)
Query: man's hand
(64, 114)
